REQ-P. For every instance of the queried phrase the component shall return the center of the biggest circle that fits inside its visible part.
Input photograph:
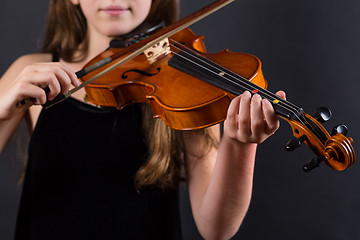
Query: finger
(30, 94)
(37, 94)
(73, 78)
(244, 122)
(232, 113)
(64, 75)
(271, 120)
(47, 81)
(54, 86)
(233, 109)
(257, 116)
(281, 94)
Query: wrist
(238, 148)
(235, 142)
(237, 156)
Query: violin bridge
(160, 49)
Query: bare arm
(220, 184)
(9, 122)
(26, 79)
(7, 129)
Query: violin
(189, 88)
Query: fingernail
(257, 96)
(265, 101)
(247, 93)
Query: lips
(114, 10)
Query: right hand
(30, 84)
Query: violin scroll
(339, 154)
(336, 150)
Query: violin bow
(137, 48)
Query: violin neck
(206, 70)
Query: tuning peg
(322, 114)
(313, 163)
(341, 128)
(295, 143)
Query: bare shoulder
(31, 59)
(25, 60)
(20, 63)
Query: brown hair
(165, 164)
(66, 34)
(66, 30)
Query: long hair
(66, 34)
(166, 161)
(66, 30)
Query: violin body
(183, 102)
(191, 89)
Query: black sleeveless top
(79, 180)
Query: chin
(116, 31)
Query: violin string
(238, 80)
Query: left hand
(251, 119)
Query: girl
(97, 173)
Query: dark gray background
(310, 49)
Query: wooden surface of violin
(182, 101)
(191, 89)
